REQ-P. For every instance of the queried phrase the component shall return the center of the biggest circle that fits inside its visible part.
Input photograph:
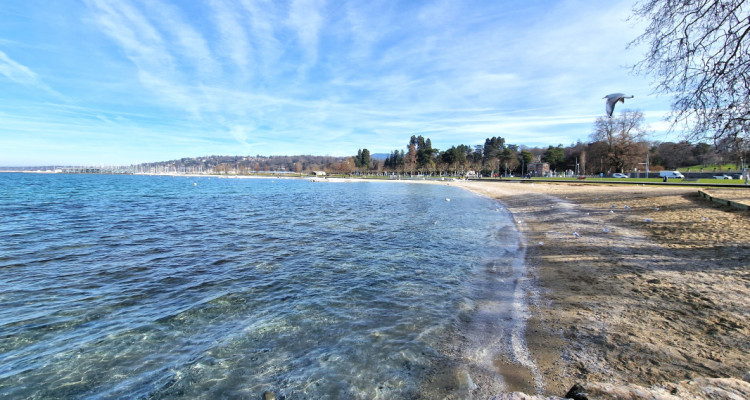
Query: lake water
(166, 287)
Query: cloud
(306, 19)
(186, 39)
(328, 77)
(235, 44)
(17, 72)
(23, 75)
(268, 48)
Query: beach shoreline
(627, 285)
(638, 285)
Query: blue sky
(127, 81)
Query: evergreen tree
(555, 156)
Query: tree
(555, 156)
(699, 52)
(493, 147)
(362, 159)
(395, 161)
(525, 158)
(455, 157)
(703, 153)
(411, 157)
(477, 156)
(624, 136)
(675, 155)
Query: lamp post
(646, 163)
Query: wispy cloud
(234, 38)
(17, 72)
(320, 77)
(187, 41)
(21, 74)
(306, 19)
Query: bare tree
(675, 155)
(698, 50)
(624, 136)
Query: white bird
(612, 99)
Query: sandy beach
(638, 285)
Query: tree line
(618, 144)
(243, 165)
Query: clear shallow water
(155, 287)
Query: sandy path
(647, 285)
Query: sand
(647, 285)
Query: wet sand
(647, 285)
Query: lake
(200, 287)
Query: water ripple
(152, 287)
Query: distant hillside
(243, 164)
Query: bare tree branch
(699, 53)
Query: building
(538, 169)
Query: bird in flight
(614, 98)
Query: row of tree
(618, 144)
(248, 164)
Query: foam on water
(128, 287)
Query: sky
(119, 82)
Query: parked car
(723, 176)
(619, 175)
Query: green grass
(711, 168)
(644, 180)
